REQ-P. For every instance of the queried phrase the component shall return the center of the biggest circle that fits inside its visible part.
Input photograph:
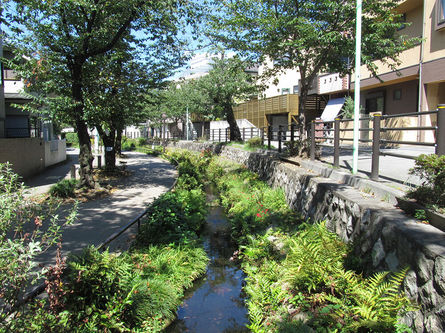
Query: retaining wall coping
(380, 190)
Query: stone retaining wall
(383, 235)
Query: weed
(64, 188)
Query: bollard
(440, 132)
(73, 172)
(99, 161)
(375, 147)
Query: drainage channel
(216, 302)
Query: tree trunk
(110, 153)
(235, 134)
(109, 141)
(118, 142)
(85, 155)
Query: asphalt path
(100, 218)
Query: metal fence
(322, 133)
(269, 135)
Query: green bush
(176, 217)
(27, 230)
(72, 140)
(255, 142)
(64, 188)
(431, 170)
(141, 141)
(137, 291)
(128, 144)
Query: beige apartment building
(419, 82)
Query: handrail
(410, 114)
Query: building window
(440, 14)
(295, 89)
(397, 94)
(10, 74)
(285, 91)
(375, 102)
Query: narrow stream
(216, 302)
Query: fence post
(227, 135)
(292, 129)
(440, 133)
(219, 139)
(99, 161)
(269, 134)
(375, 147)
(312, 140)
(244, 134)
(262, 135)
(337, 142)
(251, 132)
(279, 138)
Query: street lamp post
(358, 51)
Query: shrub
(141, 141)
(72, 140)
(27, 229)
(128, 144)
(255, 142)
(431, 170)
(141, 289)
(176, 217)
(64, 188)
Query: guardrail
(322, 131)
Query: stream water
(216, 302)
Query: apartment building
(26, 141)
(418, 84)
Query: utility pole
(358, 52)
(187, 122)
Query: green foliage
(309, 36)
(72, 140)
(256, 142)
(64, 188)
(347, 111)
(142, 142)
(251, 205)
(307, 275)
(86, 59)
(128, 144)
(179, 215)
(431, 170)
(175, 217)
(137, 291)
(27, 229)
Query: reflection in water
(215, 303)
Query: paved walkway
(392, 170)
(98, 219)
